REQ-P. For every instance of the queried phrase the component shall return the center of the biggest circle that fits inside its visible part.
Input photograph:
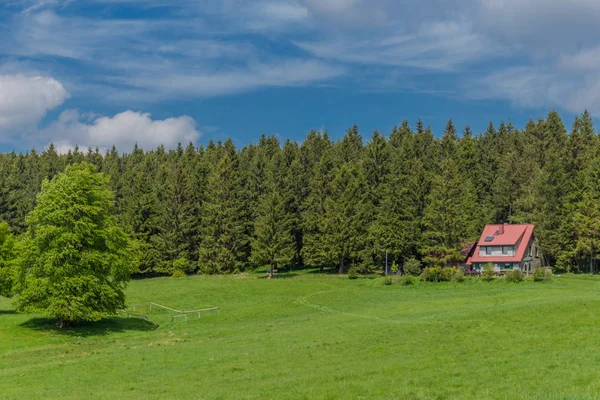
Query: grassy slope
(320, 337)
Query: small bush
(387, 281)
(459, 275)
(407, 280)
(542, 274)
(514, 276)
(437, 274)
(488, 272)
(412, 266)
(177, 273)
(394, 267)
(353, 273)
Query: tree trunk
(341, 266)
(271, 270)
(292, 266)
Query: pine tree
(448, 218)
(273, 240)
(343, 223)
(223, 219)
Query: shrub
(437, 274)
(387, 281)
(353, 273)
(177, 273)
(407, 280)
(412, 266)
(394, 267)
(515, 276)
(449, 273)
(542, 274)
(180, 266)
(488, 272)
(459, 275)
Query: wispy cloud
(534, 54)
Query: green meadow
(319, 336)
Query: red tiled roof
(509, 235)
(467, 250)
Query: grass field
(318, 336)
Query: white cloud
(435, 46)
(25, 100)
(123, 130)
(206, 83)
(535, 53)
(541, 87)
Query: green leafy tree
(74, 261)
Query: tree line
(340, 204)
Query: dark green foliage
(341, 204)
(223, 233)
(448, 218)
(74, 261)
(273, 241)
(514, 276)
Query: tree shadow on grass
(7, 312)
(326, 271)
(85, 329)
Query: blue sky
(103, 72)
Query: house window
(488, 251)
(505, 250)
(508, 266)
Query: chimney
(502, 229)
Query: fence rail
(179, 313)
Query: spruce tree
(448, 218)
(223, 233)
(273, 239)
(343, 220)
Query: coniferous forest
(340, 204)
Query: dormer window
(488, 250)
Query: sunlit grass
(319, 336)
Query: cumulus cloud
(25, 100)
(123, 130)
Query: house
(506, 247)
